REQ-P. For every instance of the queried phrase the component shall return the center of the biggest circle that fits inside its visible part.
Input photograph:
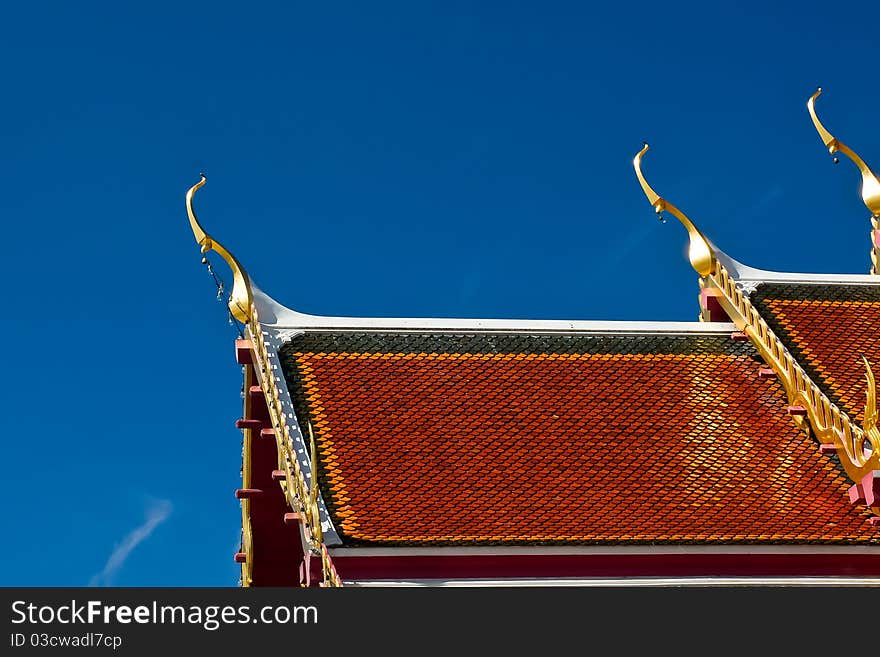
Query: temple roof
(827, 328)
(463, 439)
(754, 427)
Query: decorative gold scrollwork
(241, 298)
(303, 497)
(331, 577)
(869, 425)
(313, 489)
(700, 253)
(870, 184)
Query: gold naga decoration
(858, 447)
(312, 503)
(300, 494)
(870, 188)
(699, 252)
(870, 184)
(870, 422)
(241, 298)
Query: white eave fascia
(273, 315)
(744, 274)
(299, 446)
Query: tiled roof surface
(826, 328)
(529, 439)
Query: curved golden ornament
(302, 497)
(313, 489)
(241, 298)
(870, 184)
(700, 253)
(872, 433)
(331, 577)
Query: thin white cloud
(157, 513)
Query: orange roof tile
(827, 328)
(531, 439)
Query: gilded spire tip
(870, 189)
(241, 298)
(700, 254)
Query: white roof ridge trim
(744, 273)
(275, 316)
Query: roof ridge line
(274, 315)
(745, 273)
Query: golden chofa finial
(870, 184)
(241, 298)
(700, 253)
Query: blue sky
(380, 159)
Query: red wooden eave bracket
(871, 487)
(245, 423)
(710, 305)
(856, 496)
(247, 493)
(243, 352)
(867, 491)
